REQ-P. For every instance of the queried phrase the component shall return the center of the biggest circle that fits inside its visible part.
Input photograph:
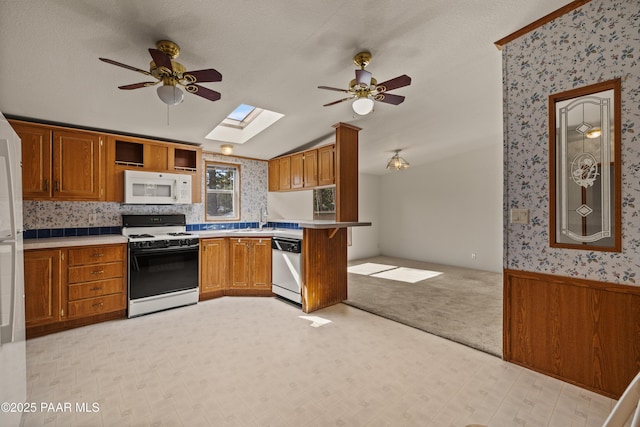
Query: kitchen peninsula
(324, 245)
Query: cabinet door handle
(46, 185)
(96, 288)
(100, 304)
(97, 255)
(97, 272)
(57, 185)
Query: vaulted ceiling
(272, 54)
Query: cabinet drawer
(98, 305)
(95, 289)
(96, 255)
(95, 272)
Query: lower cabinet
(214, 267)
(250, 264)
(69, 287)
(43, 292)
(96, 280)
(235, 266)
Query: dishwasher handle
(285, 244)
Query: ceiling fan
(171, 73)
(365, 89)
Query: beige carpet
(460, 304)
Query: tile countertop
(251, 232)
(60, 242)
(332, 224)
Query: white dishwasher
(287, 268)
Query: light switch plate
(519, 216)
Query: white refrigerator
(13, 370)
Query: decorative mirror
(584, 168)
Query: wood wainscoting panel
(580, 331)
(324, 275)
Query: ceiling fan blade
(161, 59)
(119, 64)
(400, 81)
(338, 102)
(333, 88)
(201, 76)
(363, 78)
(202, 91)
(389, 98)
(138, 85)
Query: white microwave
(157, 188)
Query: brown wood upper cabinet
(326, 165)
(131, 153)
(274, 175)
(304, 170)
(297, 171)
(60, 164)
(311, 168)
(285, 173)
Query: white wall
(290, 205)
(365, 239)
(446, 211)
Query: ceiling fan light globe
(362, 106)
(170, 95)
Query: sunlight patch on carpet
(369, 268)
(404, 274)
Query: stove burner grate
(140, 236)
(179, 234)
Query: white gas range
(163, 263)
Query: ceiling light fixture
(363, 105)
(396, 162)
(227, 149)
(170, 94)
(593, 133)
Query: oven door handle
(170, 250)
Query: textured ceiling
(272, 54)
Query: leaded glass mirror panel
(585, 167)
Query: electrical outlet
(519, 216)
(93, 218)
(473, 256)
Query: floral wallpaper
(55, 215)
(597, 42)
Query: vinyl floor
(238, 361)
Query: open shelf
(129, 153)
(185, 160)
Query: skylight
(241, 112)
(243, 123)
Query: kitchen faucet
(263, 217)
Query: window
(241, 112)
(324, 203)
(223, 192)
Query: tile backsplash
(45, 214)
(56, 218)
